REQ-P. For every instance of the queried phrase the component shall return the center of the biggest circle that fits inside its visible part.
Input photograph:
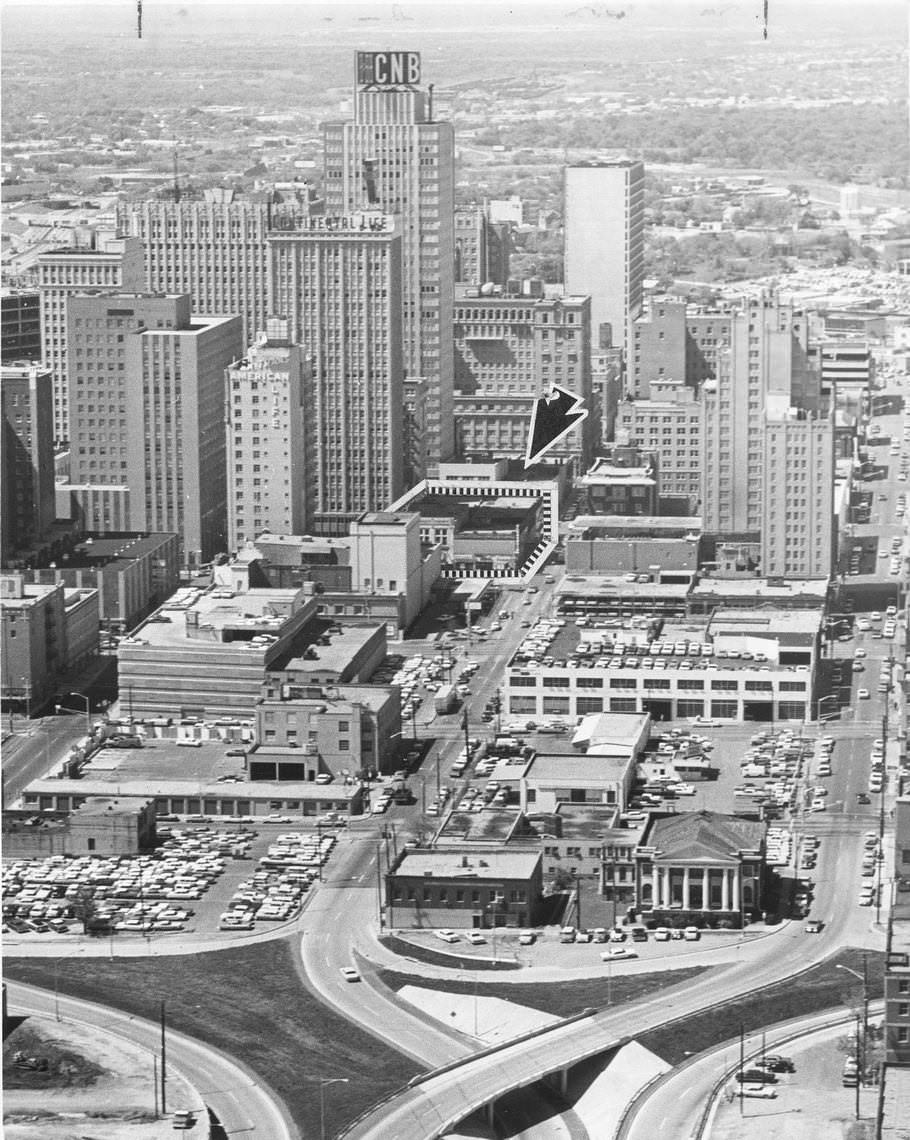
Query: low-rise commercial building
(234, 801)
(491, 522)
(468, 888)
(131, 573)
(46, 629)
(206, 653)
(102, 825)
(625, 482)
(314, 731)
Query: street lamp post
(323, 1081)
(88, 710)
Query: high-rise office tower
(508, 349)
(99, 260)
(27, 490)
(214, 248)
(766, 434)
(482, 247)
(798, 486)
(604, 244)
(266, 443)
(337, 282)
(147, 392)
(396, 159)
(20, 326)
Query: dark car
(778, 1064)
(756, 1077)
(639, 934)
(862, 798)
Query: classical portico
(700, 863)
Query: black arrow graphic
(554, 417)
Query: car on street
(814, 926)
(475, 938)
(618, 953)
(350, 974)
(528, 938)
(863, 798)
(862, 694)
(447, 935)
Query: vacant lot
(252, 1004)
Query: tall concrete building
(20, 326)
(99, 261)
(798, 476)
(338, 283)
(214, 248)
(766, 432)
(395, 158)
(482, 247)
(147, 385)
(27, 492)
(508, 350)
(669, 425)
(604, 244)
(266, 438)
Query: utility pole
(379, 882)
(742, 1064)
(163, 1066)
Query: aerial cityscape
(454, 564)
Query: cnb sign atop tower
(388, 68)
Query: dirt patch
(59, 1067)
(96, 1087)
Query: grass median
(251, 1003)
(819, 988)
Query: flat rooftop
(816, 589)
(335, 657)
(441, 864)
(582, 821)
(257, 611)
(619, 525)
(767, 621)
(613, 643)
(570, 767)
(151, 787)
(596, 586)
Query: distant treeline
(831, 142)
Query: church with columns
(700, 868)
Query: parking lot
(199, 880)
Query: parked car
(447, 935)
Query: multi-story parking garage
(736, 667)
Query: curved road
(675, 1106)
(245, 1107)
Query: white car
(447, 935)
(350, 974)
(617, 953)
(475, 938)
